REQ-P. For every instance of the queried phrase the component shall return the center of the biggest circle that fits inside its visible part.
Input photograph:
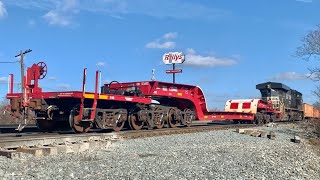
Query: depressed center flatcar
(150, 104)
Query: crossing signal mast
(173, 58)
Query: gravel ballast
(208, 155)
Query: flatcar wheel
(45, 125)
(117, 126)
(76, 126)
(162, 119)
(160, 125)
(171, 119)
(274, 118)
(258, 119)
(267, 119)
(118, 122)
(134, 123)
(189, 118)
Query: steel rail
(13, 142)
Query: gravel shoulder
(208, 155)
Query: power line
(1, 82)
(21, 54)
(7, 62)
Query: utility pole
(22, 53)
(23, 90)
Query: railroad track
(12, 141)
(12, 129)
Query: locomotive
(278, 103)
(286, 102)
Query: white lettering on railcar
(164, 88)
(173, 89)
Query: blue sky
(230, 46)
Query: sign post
(173, 58)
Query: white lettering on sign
(174, 71)
(173, 58)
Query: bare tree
(5, 118)
(316, 92)
(310, 45)
(310, 50)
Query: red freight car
(149, 103)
